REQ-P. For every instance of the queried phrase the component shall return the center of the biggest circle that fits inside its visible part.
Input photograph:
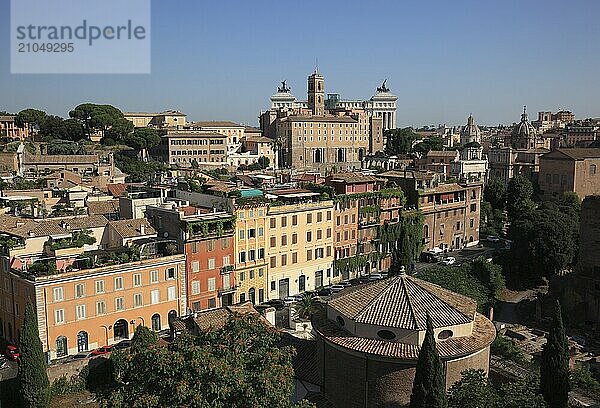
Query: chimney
(142, 229)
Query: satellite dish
(166, 234)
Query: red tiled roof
(116, 190)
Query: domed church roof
(403, 302)
(524, 129)
(470, 132)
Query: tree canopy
(32, 376)
(480, 280)
(429, 386)
(545, 241)
(33, 117)
(431, 143)
(495, 193)
(554, 364)
(239, 365)
(474, 390)
(104, 118)
(142, 138)
(400, 141)
(57, 128)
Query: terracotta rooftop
(103, 207)
(445, 188)
(216, 123)
(448, 153)
(403, 302)
(353, 177)
(576, 153)
(116, 190)
(483, 335)
(132, 228)
(25, 228)
(305, 363)
(60, 158)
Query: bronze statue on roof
(383, 88)
(283, 87)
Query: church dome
(396, 309)
(524, 129)
(470, 132)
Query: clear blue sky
(444, 59)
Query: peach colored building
(84, 309)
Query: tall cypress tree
(429, 386)
(34, 386)
(554, 365)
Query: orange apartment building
(85, 309)
(207, 238)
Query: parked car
(123, 344)
(289, 300)
(449, 260)
(493, 238)
(337, 288)
(364, 279)
(354, 281)
(375, 277)
(82, 355)
(101, 350)
(345, 283)
(325, 292)
(430, 257)
(3, 362)
(12, 352)
(278, 304)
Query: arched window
(340, 320)
(318, 158)
(61, 346)
(592, 169)
(156, 322)
(426, 231)
(340, 155)
(121, 330)
(445, 334)
(361, 154)
(252, 295)
(82, 341)
(386, 334)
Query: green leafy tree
(142, 339)
(33, 117)
(400, 141)
(306, 307)
(64, 147)
(495, 193)
(521, 393)
(239, 365)
(429, 386)
(34, 387)
(472, 391)
(519, 196)
(431, 143)
(554, 365)
(56, 128)
(105, 118)
(142, 139)
(264, 162)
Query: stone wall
(71, 368)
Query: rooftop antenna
(316, 65)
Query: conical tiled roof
(403, 302)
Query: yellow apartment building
(250, 252)
(300, 247)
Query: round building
(369, 339)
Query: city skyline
(214, 63)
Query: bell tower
(316, 93)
